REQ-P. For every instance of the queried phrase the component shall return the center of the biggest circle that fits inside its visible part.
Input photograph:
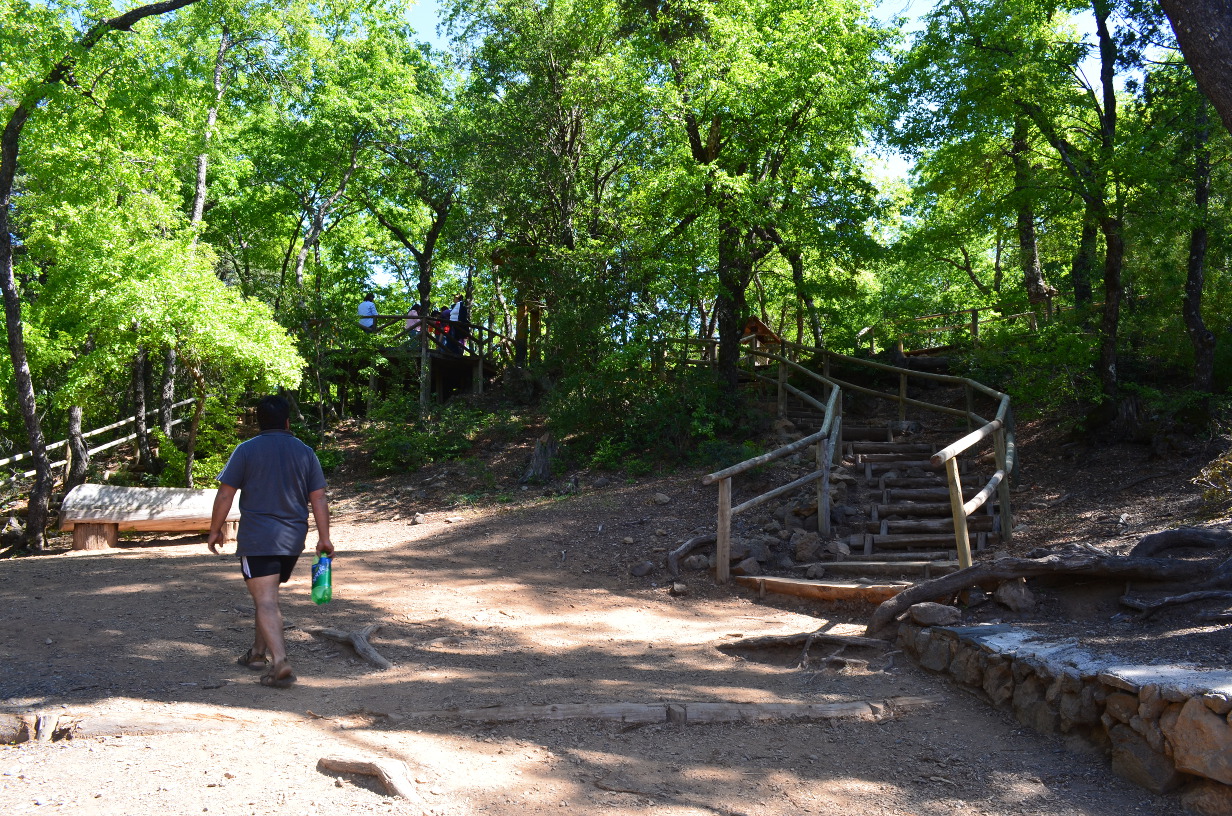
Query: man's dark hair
(272, 413)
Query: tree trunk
(1083, 266)
(167, 392)
(1028, 249)
(1191, 309)
(734, 275)
(1114, 258)
(190, 449)
(211, 118)
(140, 365)
(796, 260)
(1203, 29)
(78, 453)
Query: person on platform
(279, 478)
(367, 313)
(459, 323)
(413, 322)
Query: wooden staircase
(906, 529)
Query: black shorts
(258, 566)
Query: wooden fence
(63, 443)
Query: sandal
(252, 660)
(280, 676)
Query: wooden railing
(1000, 429)
(964, 324)
(10, 460)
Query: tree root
(1204, 538)
(1148, 608)
(357, 641)
(1079, 564)
(673, 558)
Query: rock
(696, 562)
(626, 540)
(998, 682)
(785, 562)
(816, 571)
(453, 519)
(936, 655)
(602, 481)
(1201, 742)
(784, 535)
(419, 518)
(1219, 703)
(1121, 707)
(1133, 760)
(805, 544)
(838, 547)
(783, 426)
(748, 566)
(909, 427)
(660, 532)
(642, 569)
(1208, 799)
(662, 498)
(972, 597)
(1015, 595)
(933, 614)
(678, 589)
(771, 526)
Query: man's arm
(320, 514)
(222, 508)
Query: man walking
(280, 479)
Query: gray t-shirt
(274, 473)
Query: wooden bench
(97, 513)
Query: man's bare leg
(268, 637)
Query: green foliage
(1052, 370)
(330, 459)
(216, 438)
(401, 441)
(632, 419)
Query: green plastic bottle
(322, 579)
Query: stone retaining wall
(1166, 728)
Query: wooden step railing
(999, 430)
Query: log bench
(97, 513)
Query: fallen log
(1008, 569)
(801, 638)
(357, 641)
(673, 557)
(392, 773)
(1204, 538)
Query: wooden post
(960, 516)
(975, 327)
(970, 399)
(94, 536)
(782, 398)
(902, 397)
(477, 377)
(836, 453)
(825, 452)
(825, 363)
(1034, 323)
(425, 366)
(1003, 489)
(722, 546)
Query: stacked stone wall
(1164, 728)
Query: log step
(976, 524)
(911, 509)
(869, 433)
(893, 447)
(927, 495)
(911, 482)
(871, 543)
(822, 590)
(925, 567)
(894, 456)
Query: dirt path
(522, 605)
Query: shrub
(400, 440)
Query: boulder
(642, 569)
(1015, 595)
(748, 566)
(1208, 799)
(1201, 741)
(815, 572)
(1135, 761)
(662, 498)
(933, 614)
(696, 561)
(805, 545)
